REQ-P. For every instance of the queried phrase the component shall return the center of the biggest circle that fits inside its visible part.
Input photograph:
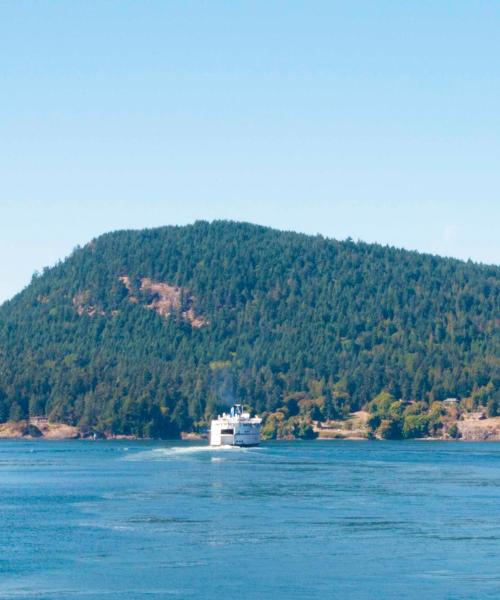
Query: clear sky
(375, 120)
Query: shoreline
(469, 429)
(124, 438)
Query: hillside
(149, 332)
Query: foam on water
(178, 451)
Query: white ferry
(237, 428)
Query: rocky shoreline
(52, 431)
(30, 431)
(470, 428)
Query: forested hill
(149, 332)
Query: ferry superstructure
(237, 428)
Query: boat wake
(179, 451)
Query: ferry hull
(235, 431)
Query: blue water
(134, 520)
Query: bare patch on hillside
(163, 298)
(125, 279)
(83, 306)
(166, 299)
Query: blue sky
(375, 120)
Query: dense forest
(151, 332)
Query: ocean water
(136, 520)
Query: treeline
(283, 314)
